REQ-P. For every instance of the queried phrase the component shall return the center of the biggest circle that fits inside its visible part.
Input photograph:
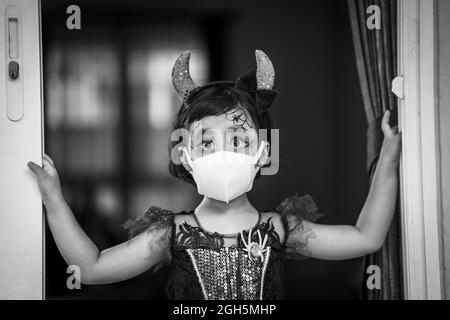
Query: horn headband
(259, 83)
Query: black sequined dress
(244, 266)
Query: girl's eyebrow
(238, 128)
(197, 132)
(234, 127)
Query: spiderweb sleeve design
(154, 219)
(294, 211)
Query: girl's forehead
(236, 119)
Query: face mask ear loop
(188, 157)
(259, 152)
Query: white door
(422, 266)
(21, 213)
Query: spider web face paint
(240, 118)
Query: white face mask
(224, 175)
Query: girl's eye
(208, 145)
(239, 143)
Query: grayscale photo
(225, 150)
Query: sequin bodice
(228, 274)
(237, 271)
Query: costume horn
(265, 73)
(181, 78)
(260, 82)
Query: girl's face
(233, 131)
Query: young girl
(225, 248)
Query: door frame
(419, 176)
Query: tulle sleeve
(153, 219)
(294, 211)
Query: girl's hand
(47, 179)
(392, 144)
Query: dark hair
(214, 100)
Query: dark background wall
(319, 112)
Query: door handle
(14, 64)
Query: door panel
(21, 214)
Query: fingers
(36, 169)
(385, 126)
(385, 122)
(48, 165)
(49, 159)
(395, 129)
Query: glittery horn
(181, 78)
(260, 82)
(265, 73)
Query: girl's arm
(115, 264)
(346, 242)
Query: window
(109, 110)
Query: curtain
(376, 57)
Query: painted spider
(254, 249)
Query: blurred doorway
(108, 116)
